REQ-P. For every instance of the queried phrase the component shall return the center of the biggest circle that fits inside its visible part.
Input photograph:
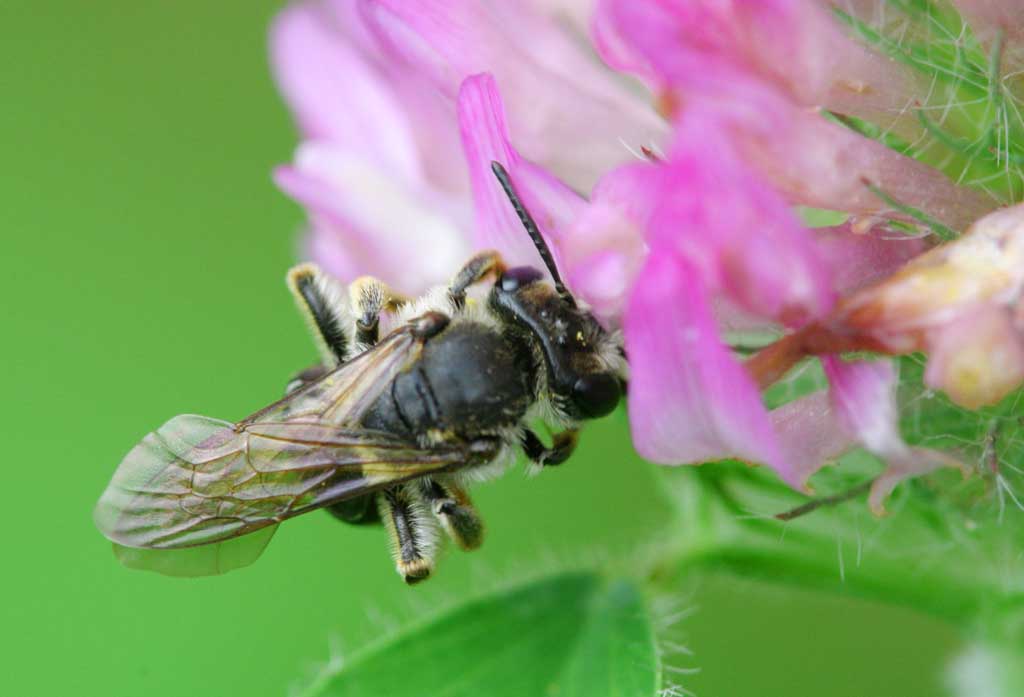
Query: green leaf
(571, 635)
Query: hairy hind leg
(412, 529)
(322, 303)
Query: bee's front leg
(472, 272)
(369, 297)
(413, 531)
(562, 446)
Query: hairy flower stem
(925, 556)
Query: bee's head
(583, 364)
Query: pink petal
(615, 27)
(737, 229)
(448, 40)
(863, 397)
(858, 409)
(990, 19)
(795, 45)
(336, 93)
(485, 139)
(810, 434)
(689, 400)
(603, 247)
(385, 228)
(576, 13)
(862, 393)
(328, 247)
(815, 162)
(978, 358)
(856, 259)
(913, 462)
(821, 164)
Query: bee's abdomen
(468, 381)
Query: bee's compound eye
(515, 278)
(596, 395)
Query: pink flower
(674, 248)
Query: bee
(387, 429)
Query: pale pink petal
(810, 434)
(821, 164)
(913, 462)
(328, 245)
(576, 13)
(385, 228)
(615, 27)
(796, 45)
(736, 229)
(856, 259)
(448, 40)
(991, 20)
(863, 397)
(336, 93)
(689, 400)
(485, 139)
(603, 280)
(978, 358)
(858, 409)
(862, 393)
(603, 247)
(813, 161)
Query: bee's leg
(362, 510)
(303, 378)
(369, 297)
(412, 529)
(562, 446)
(451, 504)
(474, 271)
(322, 303)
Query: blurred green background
(144, 250)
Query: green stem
(916, 557)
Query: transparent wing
(198, 481)
(205, 560)
(343, 395)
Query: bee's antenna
(531, 226)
